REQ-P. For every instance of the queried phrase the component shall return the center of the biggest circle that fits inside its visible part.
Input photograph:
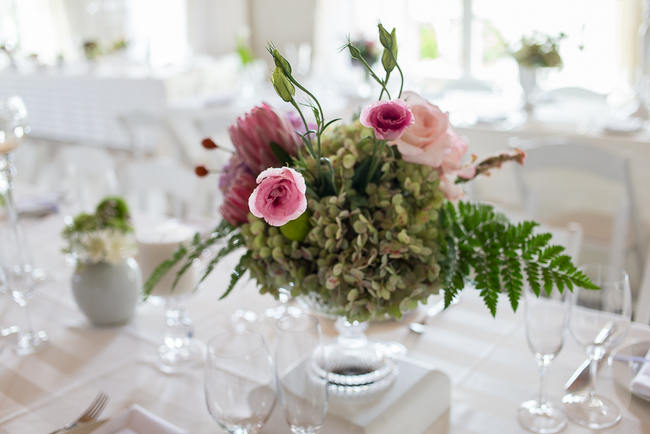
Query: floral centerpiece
(539, 51)
(364, 216)
(104, 236)
(534, 52)
(106, 283)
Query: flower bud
(201, 171)
(283, 87)
(208, 143)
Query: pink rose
(432, 141)
(389, 119)
(279, 196)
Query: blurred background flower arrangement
(103, 236)
(539, 50)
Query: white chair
(642, 311)
(163, 187)
(85, 175)
(626, 235)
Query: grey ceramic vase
(107, 293)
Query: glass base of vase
(352, 364)
(30, 342)
(180, 359)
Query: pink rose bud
(389, 119)
(279, 196)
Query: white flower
(104, 245)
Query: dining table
(487, 359)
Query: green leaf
(297, 229)
(279, 152)
(237, 273)
(476, 241)
(235, 241)
(162, 269)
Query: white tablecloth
(487, 359)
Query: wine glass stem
(593, 375)
(179, 329)
(542, 383)
(28, 329)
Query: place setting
(361, 238)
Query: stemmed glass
(20, 285)
(303, 393)
(546, 318)
(239, 377)
(599, 321)
(179, 349)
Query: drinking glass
(19, 279)
(303, 393)
(239, 378)
(546, 319)
(599, 321)
(179, 350)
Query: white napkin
(641, 382)
(137, 420)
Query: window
(454, 39)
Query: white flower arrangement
(105, 236)
(104, 245)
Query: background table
(487, 359)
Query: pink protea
(236, 183)
(253, 133)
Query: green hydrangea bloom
(367, 255)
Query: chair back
(162, 187)
(559, 153)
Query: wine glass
(303, 393)
(599, 321)
(239, 378)
(546, 318)
(17, 270)
(179, 349)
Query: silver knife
(581, 376)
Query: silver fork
(91, 414)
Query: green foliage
(297, 229)
(320, 180)
(244, 51)
(283, 156)
(186, 255)
(481, 244)
(369, 253)
(111, 213)
(539, 50)
(388, 40)
(428, 42)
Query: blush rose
(279, 196)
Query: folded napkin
(137, 420)
(640, 384)
(38, 205)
